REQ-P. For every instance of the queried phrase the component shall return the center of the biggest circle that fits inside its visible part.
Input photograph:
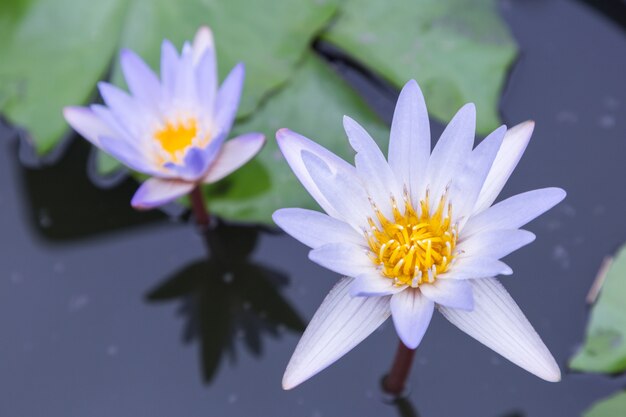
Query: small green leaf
(52, 54)
(458, 51)
(312, 104)
(612, 406)
(605, 343)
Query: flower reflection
(227, 297)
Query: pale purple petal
(142, 81)
(169, 69)
(340, 323)
(206, 78)
(378, 178)
(466, 185)
(409, 141)
(86, 123)
(342, 189)
(155, 192)
(514, 212)
(475, 267)
(315, 229)
(373, 284)
(185, 84)
(411, 313)
(127, 154)
(452, 151)
(495, 244)
(291, 145)
(234, 154)
(513, 146)
(450, 293)
(497, 322)
(196, 161)
(228, 96)
(130, 115)
(343, 258)
(202, 43)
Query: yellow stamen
(176, 136)
(413, 247)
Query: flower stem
(394, 382)
(200, 212)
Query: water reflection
(405, 408)
(227, 297)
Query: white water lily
(173, 129)
(415, 232)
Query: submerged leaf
(458, 51)
(605, 343)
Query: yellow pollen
(175, 137)
(413, 247)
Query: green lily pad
(604, 349)
(612, 406)
(312, 104)
(52, 54)
(54, 51)
(458, 51)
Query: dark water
(108, 312)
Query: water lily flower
(173, 129)
(415, 232)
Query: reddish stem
(395, 381)
(200, 211)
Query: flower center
(176, 136)
(413, 247)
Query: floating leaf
(312, 104)
(458, 51)
(54, 51)
(612, 406)
(52, 54)
(605, 343)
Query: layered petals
(340, 323)
(409, 139)
(411, 313)
(315, 229)
(450, 293)
(155, 192)
(343, 258)
(511, 151)
(497, 322)
(234, 154)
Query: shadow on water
(226, 297)
(405, 408)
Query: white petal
(372, 168)
(315, 229)
(234, 154)
(411, 313)
(514, 212)
(374, 284)
(291, 145)
(155, 192)
(342, 189)
(343, 258)
(498, 323)
(202, 42)
(475, 267)
(452, 151)
(87, 124)
(450, 293)
(513, 146)
(340, 323)
(466, 185)
(495, 244)
(409, 140)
